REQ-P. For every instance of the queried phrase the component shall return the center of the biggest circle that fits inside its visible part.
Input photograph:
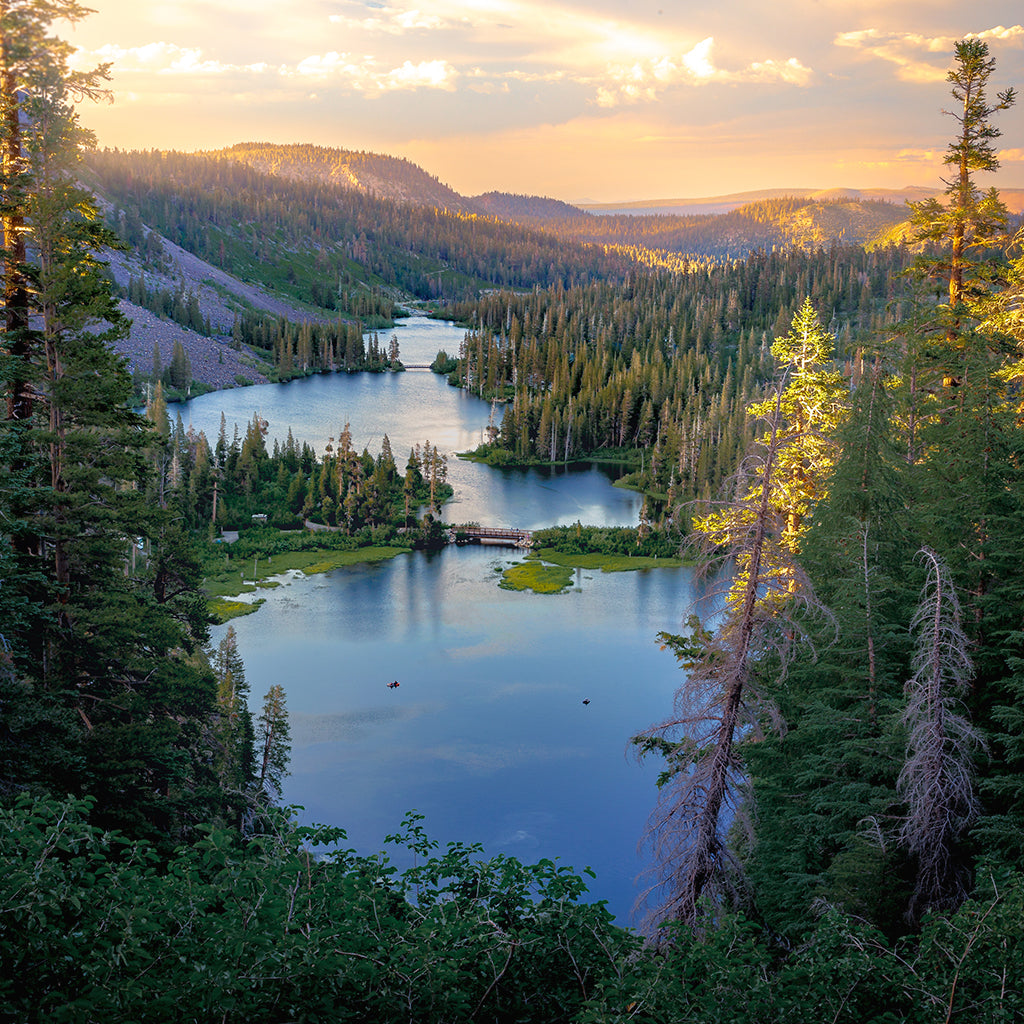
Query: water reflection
(487, 734)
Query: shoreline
(228, 599)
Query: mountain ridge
(677, 226)
(402, 180)
(1014, 199)
(377, 174)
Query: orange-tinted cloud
(917, 57)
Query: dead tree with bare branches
(720, 704)
(937, 779)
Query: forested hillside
(521, 208)
(784, 221)
(327, 244)
(381, 176)
(764, 224)
(838, 828)
(667, 363)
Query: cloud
(698, 61)
(427, 74)
(494, 48)
(327, 64)
(789, 72)
(361, 74)
(160, 58)
(621, 59)
(477, 17)
(645, 80)
(918, 156)
(1015, 33)
(908, 50)
(392, 20)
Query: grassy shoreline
(606, 563)
(233, 581)
(547, 571)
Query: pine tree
(805, 412)
(273, 736)
(179, 372)
(235, 733)
(156, 411)
(412, 481)
(109, 664)
(721, 703)
(970, 221)
(825, 789)
(814, 400)
(35, 83)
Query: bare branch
(720, 703)
(937, 780)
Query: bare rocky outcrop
(221, 297)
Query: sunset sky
(581, 100)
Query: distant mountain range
(400, 180)
(1014, 199)
(734, 200)
(727, 225)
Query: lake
(411, 408)
(487, 734)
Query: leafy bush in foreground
(94, 927)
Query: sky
(580, 100)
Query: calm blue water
(487, 734)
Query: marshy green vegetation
(533, 574)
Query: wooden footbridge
(494, 535)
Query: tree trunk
(16, 320)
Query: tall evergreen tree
(963, 228)
(825, 789)
(234, 728)
(273, 735)
(814, 399)
(35, 82)
(723, 700)
(104, 659)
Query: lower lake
(487, 734)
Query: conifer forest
(834, 430)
